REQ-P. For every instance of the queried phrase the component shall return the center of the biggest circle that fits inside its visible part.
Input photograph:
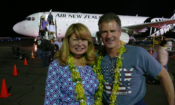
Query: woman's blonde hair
(82, 32)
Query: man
(59, 43)
(45, 47)
(38, 43)
(135, 63)
(50, 17)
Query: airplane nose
(16, 28)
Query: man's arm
(167, 85)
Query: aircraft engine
(124, 37)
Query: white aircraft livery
(131, 25)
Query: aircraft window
(33, 18)
(28, 18)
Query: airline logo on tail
(163, 29)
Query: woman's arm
(161, 57)
(52, 86)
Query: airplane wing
(135, 29)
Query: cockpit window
(28, 18)
(33, 18)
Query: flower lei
(76, 78)
(79, 86)
(97, 69)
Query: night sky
(14, 12)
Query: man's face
(110, 34)
(38, 38)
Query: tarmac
(28, 88)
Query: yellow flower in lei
(79, 91)
(97, 70)
(115, 89)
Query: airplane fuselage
(30, 26)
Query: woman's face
(77, 46)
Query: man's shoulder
(38, 40)
(56, 42)
(134, 48)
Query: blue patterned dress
(60, 90)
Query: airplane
(131, 25)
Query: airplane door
(39, 18)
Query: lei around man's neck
(115, 88)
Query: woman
(162, 57)
(51, 22)
(51, 27)
(71, 64)
(163, 54)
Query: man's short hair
(109, 17)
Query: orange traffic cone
(151, 51)
(15, 73)
(25, 61)
(32, 55)
(4, 93)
